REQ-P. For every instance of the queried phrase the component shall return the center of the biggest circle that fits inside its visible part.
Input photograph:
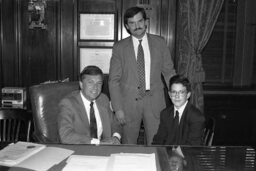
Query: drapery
(196, 20)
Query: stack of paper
(115, 162)
(45, 159)
(32, 156)
(18, 152)
(132, 162)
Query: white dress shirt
(97, 116)
(180, 110)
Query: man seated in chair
(85, 116)
(182, 123)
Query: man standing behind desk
(135, 85)
(85, 116)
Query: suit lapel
(170, 119)
(152, 55)
(101, 111)
(82, 112)
(104, 118)
(131, 55)
(184, 115)
(183, 124)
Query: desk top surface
(226, 158)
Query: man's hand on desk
(113, 140)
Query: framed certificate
(95, 56)
(97, 26)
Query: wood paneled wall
(31, 56)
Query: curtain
(196, 20)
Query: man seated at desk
(85, 116)
(182, 123)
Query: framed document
(95, 56)
(97, 27)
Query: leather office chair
(209, 132)
(44, 103)
(15, 125)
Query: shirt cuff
(95, 141)
(117, 135)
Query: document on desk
(88, 163)
(115, 162)
(32, 156)
(132, 162)
(45, 159)
(18, 152)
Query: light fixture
(36, 15)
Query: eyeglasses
(180, 93)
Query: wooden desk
(196, 158)
(161, 155)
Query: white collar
(144, 39)
(181, 109)
(85, 100)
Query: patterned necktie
(93, 124)
(141, 69)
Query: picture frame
(97, 26)
(96, 56)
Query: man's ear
(169, 93)
(147, 23)
(81, 85)
(126, 27)
(188, 95)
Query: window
(219, 54)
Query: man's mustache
(138, 29)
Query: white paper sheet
(132, 162)
(88, 163)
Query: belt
(147, 93)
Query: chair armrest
(38, 137)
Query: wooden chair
(15, 125)
(209, 132)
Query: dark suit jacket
(190, 128)
(123, 76)
(73, 123)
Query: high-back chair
(209, 131)
(15, 125)
(44, 103)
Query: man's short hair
(131, 12)
(90, 70)
(178, 79)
